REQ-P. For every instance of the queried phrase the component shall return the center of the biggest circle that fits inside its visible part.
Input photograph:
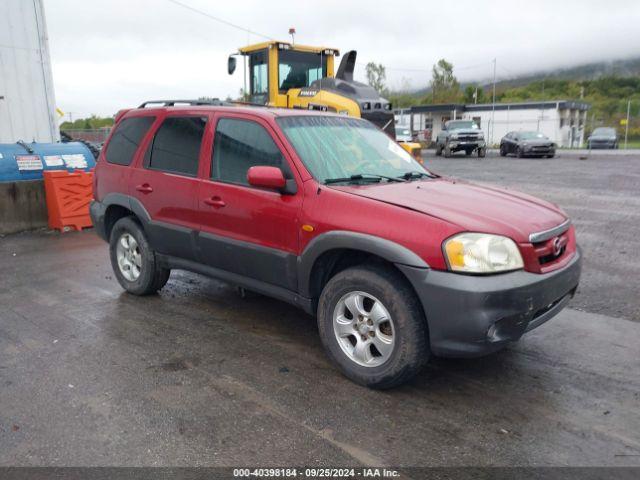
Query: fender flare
(129, 203)
(338, 239)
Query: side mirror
(444, 127)
(231, 65)
(266, 177)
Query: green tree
(91, 123)
(376, 77)
(470, 94)
(444, 85)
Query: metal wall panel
(27, 99)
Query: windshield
(337, 147)
(460, 124)
(609, 132)
(299, 69)
(531, 135)
(404, 132)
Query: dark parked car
(527, 144)
(460, 135)
(603, 137)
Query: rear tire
(403, 337)
(133, 260)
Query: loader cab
(274, 69)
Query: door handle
(215, 202)
(144, 188)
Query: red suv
(326, 212)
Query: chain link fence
(98, 135)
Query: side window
(176, 145)
(240, 145)
(126, 139)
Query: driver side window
(240, 145)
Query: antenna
(292, 32)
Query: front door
(245, 230)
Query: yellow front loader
(281, 74)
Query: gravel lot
(197, 376)
(600, 194)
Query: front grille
(551, 257)
(467, 138)
(546, 251)
(541, 148)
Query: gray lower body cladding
(471, 316)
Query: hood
(472, 207)
(602, 137)
(465, 131)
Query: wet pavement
(197, 375)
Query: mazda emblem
(557, 246)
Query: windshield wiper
(372, 177)
(417, 174)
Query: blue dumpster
(22, 195)
(27, 161)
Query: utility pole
(626, 127)
(70, 114)
(493, 105)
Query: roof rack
(172, 103)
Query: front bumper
(539, 151)
(471, 316)
(457, 145)
(595, 144)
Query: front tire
(503, 150)
(133, 260)
(482, 152)
(373, 327)
(519, 153)
(447, 151)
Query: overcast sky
(112, 54)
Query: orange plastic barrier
(68, 196)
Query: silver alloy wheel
(129, 257)
(364, 329)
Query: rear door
(249, 231)
(113, 168)
(165, 183)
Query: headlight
(482, 253)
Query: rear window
(126, 139)
(176, 145)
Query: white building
(562, 121)
(27, 100)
